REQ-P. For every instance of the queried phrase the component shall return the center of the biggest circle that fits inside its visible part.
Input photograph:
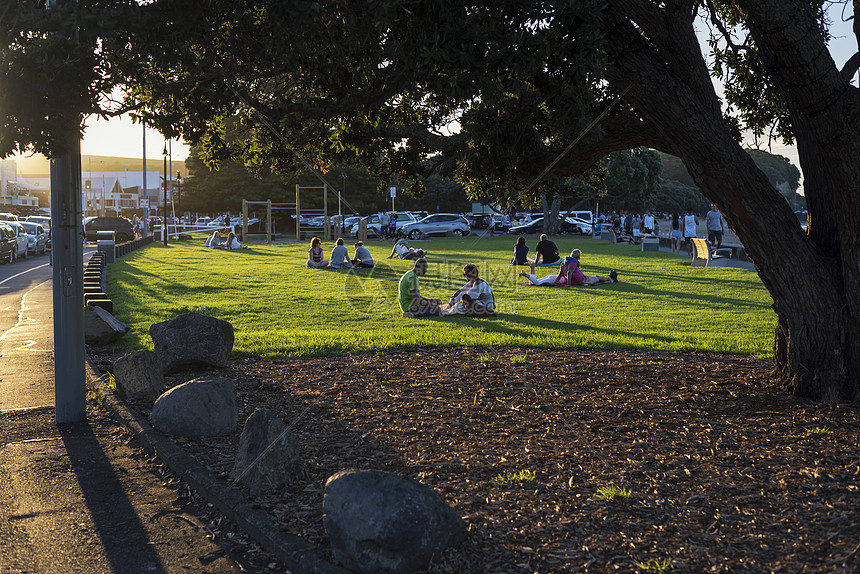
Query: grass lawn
(280, 308)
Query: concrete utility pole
(70, 386)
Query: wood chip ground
(726, 472)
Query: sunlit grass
(278, 307)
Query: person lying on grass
(475, 298)
(315, 255)
(340, 256)
(401, 250)
(411, 302)
(569, 273)
(577, 277)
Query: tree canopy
(510, 98)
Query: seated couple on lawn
(214, 242)
(569, 273)
(475, 298)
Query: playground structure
(325, 230)
(301, 229)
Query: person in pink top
(569, 273)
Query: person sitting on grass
(362, 256)
(409, 295)
(340, 256)
(475, 298)
(521, 252)
(401, 250)
(547, 251)
(233, 242)
(315, 255)
(214, 241)
(575, 276)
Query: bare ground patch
(726, 472)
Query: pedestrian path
(76, 497)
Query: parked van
(586, 216)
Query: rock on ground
(268, 455)
(201, 407)
(139, 376)
(102, 328)
(192, 340)
(380, 522)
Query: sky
(122, 138)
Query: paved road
(77, 497)
(26, 334)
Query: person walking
(675, 235)
(690, 224)
(715, 227)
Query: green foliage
(520, 359)
(280, 308)
(632, 179)
(822, 430)
(656, 566)
(516, 477)
(613, 493)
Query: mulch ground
(725, 471)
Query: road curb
(299, 555)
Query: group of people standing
(687, 229)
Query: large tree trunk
(812, 280)
(550, 213)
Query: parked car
(438, 224)
(37, 239)
(536, 226)
(8, 243)
(378, 220)
(122, 228)
(8, 217)
(21, 238)
(45, 222)
(580, 226)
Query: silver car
(37, 239)
(439, 224)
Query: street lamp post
(164, 224)
(179, 194)
(339, 214)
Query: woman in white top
(690, 224)
(473, 298)
(233, 242)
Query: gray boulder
(138, 376)
(380, 522)
(192, 340)
(268, 455)
(202, 407)
(102, 328)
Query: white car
(377, 221)
(22, 238)
(37, 239)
